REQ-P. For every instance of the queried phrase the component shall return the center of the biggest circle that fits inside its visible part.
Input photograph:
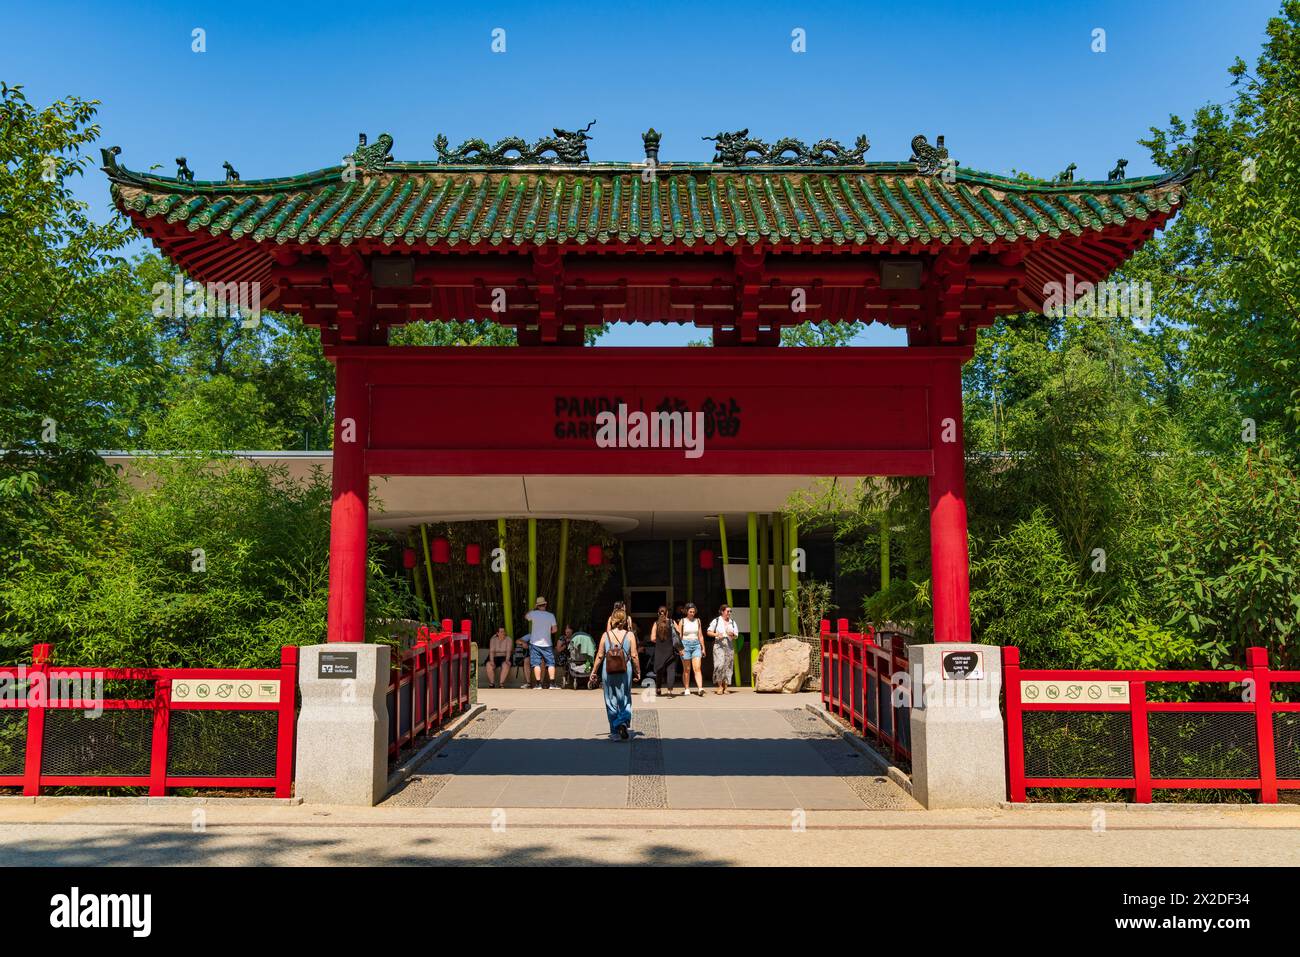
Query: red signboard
(853, 411)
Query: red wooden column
(350, 510)
(949, 561)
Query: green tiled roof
(682, 205)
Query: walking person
(692, 648)
(629, 623)
(723, 632)
(617, 665)
(664, 637)
(541, 627)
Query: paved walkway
(243, 834)
(745, 779)
(551, 749)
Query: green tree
(1061, 416)
(479, 332)
(264, 385)
(197, 560)
(475, 332)
(220, 413)
(811, 334)
(77, 364)
(1027, 592)
(1228, 267)
(1228, 565)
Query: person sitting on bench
(498, 663)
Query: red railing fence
(1106, 729)
(157, 728)
(428, 683)
(864, 681)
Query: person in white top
(692, 648)
(723, 632)
(542, 625)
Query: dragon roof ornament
(568, 146)
(740, 149)
(374, 157)
(930, 160)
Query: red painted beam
(631, 462)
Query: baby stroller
(581, 654)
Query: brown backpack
(615, 656)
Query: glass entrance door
(643, 606)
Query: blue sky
(285, 87)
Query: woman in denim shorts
(692, 633)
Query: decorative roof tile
(679, 205)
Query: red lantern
(408, 558)
(440, 549)
(473, 554)
(706, 559)
(595, 555)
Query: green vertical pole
(722, 535)
(506, 611)
(884, 552)
(778, 556)
(764, 579)
(792, 545)
(428, 568)
(751, 522)
(532, 563)
(690, 570)
(564, 567)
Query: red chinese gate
(493, 411)
(540, 239)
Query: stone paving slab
(245, 834)
(420, 789)
(589, 700)
(689, 758)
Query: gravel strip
(646, 786)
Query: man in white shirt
(542, 625)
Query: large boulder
(782, 666)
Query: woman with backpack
(666, 641)
(618, 665)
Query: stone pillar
(958, 737)
(949, 561)
(343, 725)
